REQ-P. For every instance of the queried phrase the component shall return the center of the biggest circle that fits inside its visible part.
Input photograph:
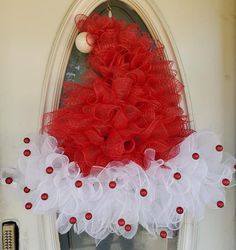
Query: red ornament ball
(44, 196)
(219, 148)
(27, 152)
(177, 176)
(78, 183)
(28, 205)
(163, 234)
(179, 210)
(143, 192)
(220, 204)
(88, 216)
(49, 170)
(195, 156)
(121, 222)
(112, 184)
(26, 190)
(72, 220)
(235, 166)
(9, 180)
(26, 140)
(128, 228)
(226, 182)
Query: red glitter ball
(143, 192)
(44, 196)
(26, 190)
(235, 166)
(128, 227)
(26, 140)
(163, 234)
(177, 176)
(195, 156)
(78, 183)
(112, 184)
(49, 170)
(72, 220)
(27, 152)
(28, 205)
(179, 210)
(220, 204)
(121, 222)
(219, 148)
(88, 216)
(226, 182)
(9, 180)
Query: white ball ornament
(83, 42)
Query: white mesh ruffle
(119, 197)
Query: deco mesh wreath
(120, 151)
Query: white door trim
(54, 76)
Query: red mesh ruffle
(128, 100)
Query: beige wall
(204, 33)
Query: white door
(201, 35)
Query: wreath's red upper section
(128, 100)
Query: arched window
(66, 63)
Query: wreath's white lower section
(121, 196)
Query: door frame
(53, 81)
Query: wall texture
(204, 33)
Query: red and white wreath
(120, 151)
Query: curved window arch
(66, 63)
